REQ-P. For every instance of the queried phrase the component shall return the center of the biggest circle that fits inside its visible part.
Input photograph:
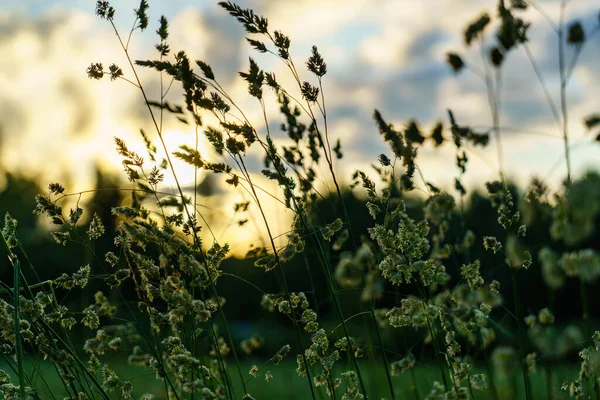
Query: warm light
(174, 138)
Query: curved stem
(194, 230)
(525, 368)
(563, 89)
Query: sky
(57, 125)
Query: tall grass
(175, 324)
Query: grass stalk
(548, 376)
(563, 89)
(17, 314)
(279, 266)
(488, 368)
(300, 211)
(165, 242)
(338, 308)
(585, 309)
(195, 233)
(349, 225)
(17, 327)
(494, 104)
(413, 376)
(520, 334)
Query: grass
(402, 310)
(287, 384)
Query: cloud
(403, 61)
(386, 54)
(46, 100)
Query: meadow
(389, 288)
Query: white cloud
(384, 54)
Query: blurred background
(56, 125)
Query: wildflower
(574, 214)
(584, 264)
(512, 31)
(455, 62)
(413, 133)
(61, 238)
(104, 10)
(438, 392)
(347, 272)
(316, 64)
(278, 357)
(436, 134)
(115, 72)
(309, 92)
(439, 208)
(399, 367)
(79, 278)
(96, 228)
(110, 380)
(504, 360)
(127, 390)
(471, 274)
(9, 232)
(268, 376)
(476, 28)
(353, 390)
(576, 35)
(251, 344)
(411, 313)
(530, 361)
(309, 319)
(496, 56)
(478, 381)
(254, 371)
(95, 71)
(139, 357)
(596, 339)
(329, 230)
(574, 389)
(56, 188)
(546, 317)
(492, 244)
(552, 273)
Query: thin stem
(488, 367)
(128, 81)
(333, 293)
(215, 85)
(543, 14)
(549, 391)
(305, 224)
(329, 158)
(195, 233)
(540, 77)
(520, 333)
(17, 329)
(413, 375)
(434, 337)
(563, 89)
(496, 116)
(241, 164)
(131, 33)
(585, 308)
(17, 315)
(493, 101)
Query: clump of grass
(177, 326)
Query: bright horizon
(57, 124)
